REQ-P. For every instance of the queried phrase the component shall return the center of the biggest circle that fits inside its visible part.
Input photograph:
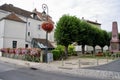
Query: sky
(104, 11)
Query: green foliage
(56, 54)
(32, 58)
(71, 29)
(86, 34)
(108, 54)
(109, 38)
(103, 39)
(60, 48)
(66, 31)
(71, 50)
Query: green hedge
(56, 54)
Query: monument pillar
(114, 43)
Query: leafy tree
(109, 38)
(103, 38)
(83, 37)
(66, 31)
(94, 37)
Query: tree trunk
(66, 52)
(83, 49)
(93, 49)
(102, 49)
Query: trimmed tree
(83, 37)
(66, 31)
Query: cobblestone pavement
(71, 67)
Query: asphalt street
(13, 72)
(112, 66)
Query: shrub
(11, 50)
(5, 50)
(18, 51)
(60, 48)
(107, 54)
(71, 50)
(56, 54)
(29, 54)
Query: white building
(20, 28)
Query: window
(28, 33)
(14, 44)
(28, 23)
(39, 26)
(26, 45)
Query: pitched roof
(42, 43)
(11, 8)
(93, 22)
(16, 10)
(13, 17)
(41, 17)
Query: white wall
(32, 27)
(8, 42)
(1, 33)
(14, 31)
(2, 28)
(1, 42)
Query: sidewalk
(70, 66)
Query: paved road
(112, 66)
(14, 72)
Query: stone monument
(115, 42)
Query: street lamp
(47, 26)
(44, 14)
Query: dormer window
(34, 16)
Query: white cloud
(104, 11)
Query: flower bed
(30, 54)
(99, 54)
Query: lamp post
(47, 26)
(44, 14)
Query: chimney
(82, 18)
(96, 21)
(10, 5)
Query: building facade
(19, 28)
